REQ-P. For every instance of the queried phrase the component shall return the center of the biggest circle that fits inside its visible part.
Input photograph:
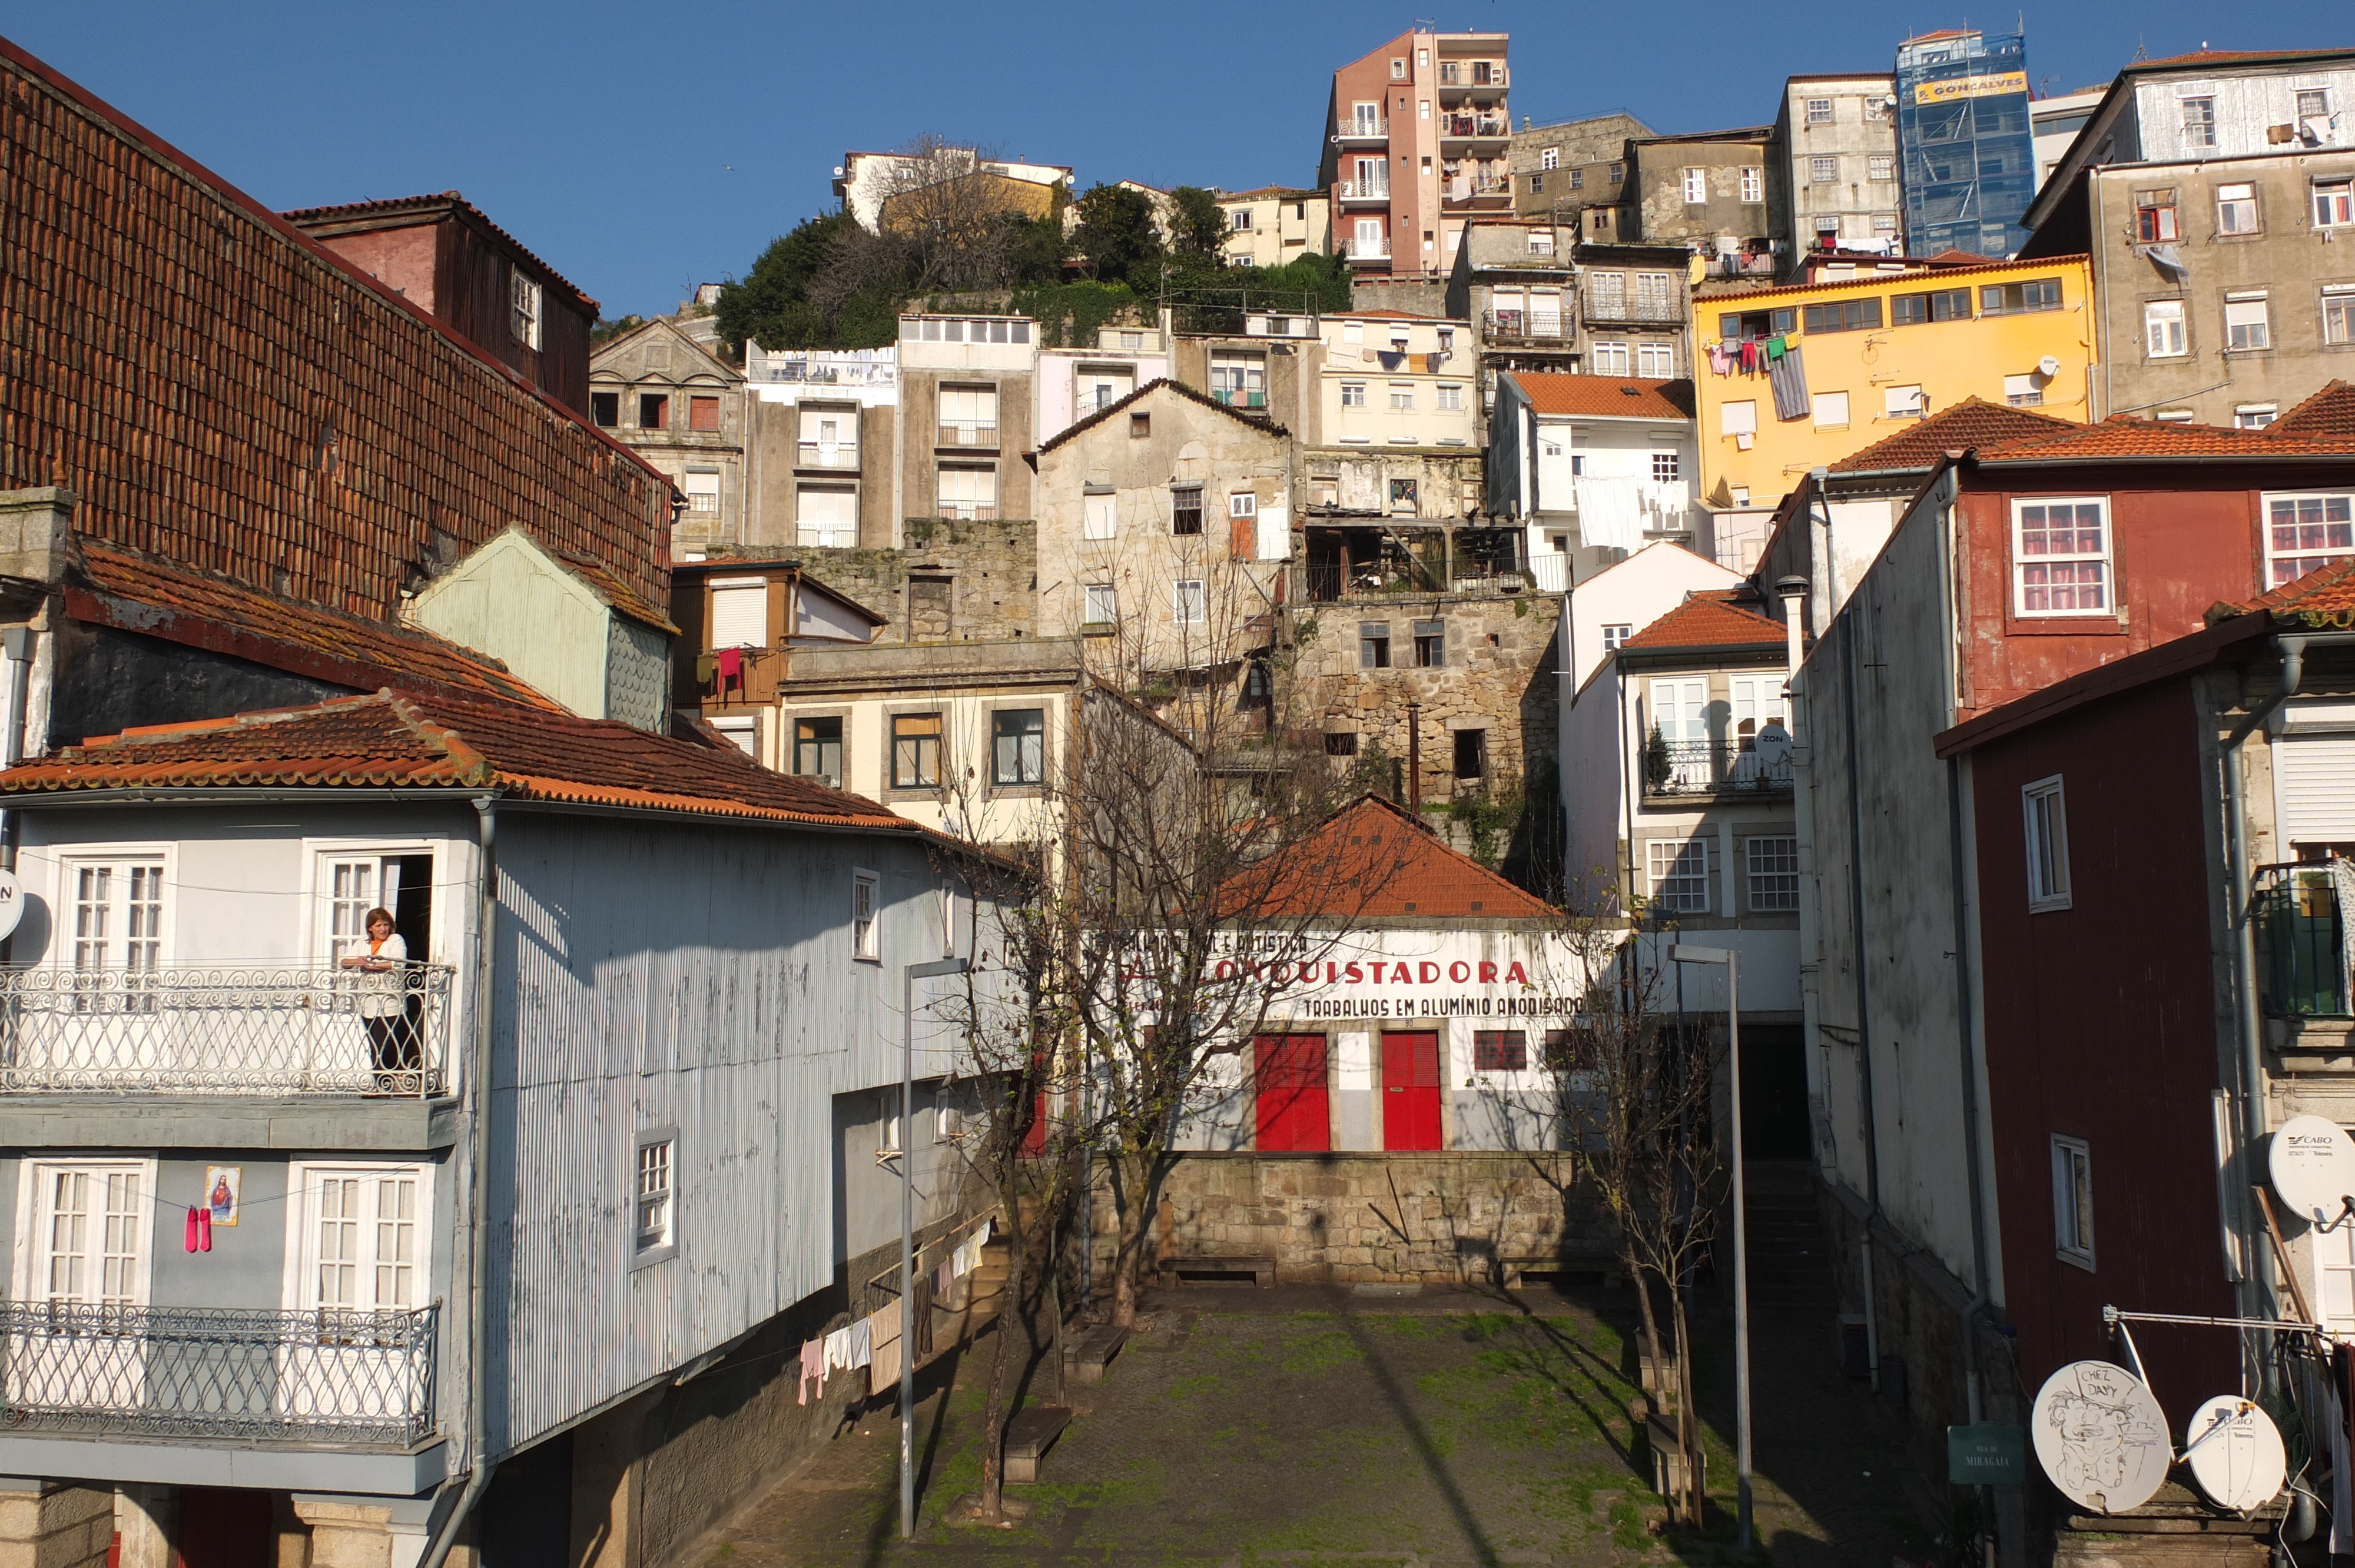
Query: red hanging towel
(732, 668)
(188, 1233)
(205, 1228)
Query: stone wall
(1441, 1218)
(991, 570)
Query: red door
(1410, 1090)
(1288, 1075)
(222, 1528)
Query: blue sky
(642, 148)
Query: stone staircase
(1789, 1259)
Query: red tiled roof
(2324, 597)
(309, 218)
(616, 592)
(1706, 620)
(1370, 858)
(1603, 396)
(1257, 422)
(411, 741)
(132, 592)
(2122, 437)
(1960, 427)
(2329, 412)
(2226, 56)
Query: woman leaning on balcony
(384, 1004)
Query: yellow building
(1873, 352)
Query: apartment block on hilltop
(1834, 184)
(1417, 135)
(1965, 142)
(1574, 173)
(868, 184)
(2215, 194)
(1276, 224)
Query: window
(1737, 418)
(2252, 416)
(2061, 557)
(1186, 509)
(2334, 202)
(1656, 361)
(1353, 393)
(1017, 745)
(968, 492)
(1430, 644)
(1451, 398)
(703, 414)
(1549, 158)
(1663, 467)
(1404, 496)
(1610, 359)
(2313, 104)
(1884, 223)
(654, 411)
(1606, 295)
(1679, 875)
(2199, 123)
(1373, 645)
(1101, 605)
(1881, 166)
(2162, 328)
(1842, 315)
(915, 751)
(2154, 217)
(1652, 297)
(1612, 636)
(1823, 171)
(2338, 313)
(2304, 532)
(1099, 515)
(1578, 179)
(968, 417)
(1830, 409)
(2072, 1192)
(1341, 742)
(1618, 173)
(1240, 220)
(1772, 866)
(1402, 395)
(1819, 111)
(2047, 821)
(118, 916)
(1876, 108)
(1753, 184)
(702, 488)
(93, 1234)
(2246, 325)
(1902, 403)
(1139, 427)
(363, 1247)
(655, 1208)
(2023, 391)
(2017, 299)
(524, 316)
(1499, 1050)
(2236, 209)
(605, 410)
(1188, 602)
(1696, 186)
(865, 942)
(1398, 70)
(1471, 753)
(817, 749)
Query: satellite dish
(12, 902)
(2235, 1454)
(2050, 366)
(2100, 1437)
(2312, 1162)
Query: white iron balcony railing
(1516, 325)
(1716, 768)
(233, 1373)
(1370, 250)
(826, 454)
(1365, 128)
(1365, 190)
(231, 1031)
(968, 434)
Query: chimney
(1794, 592)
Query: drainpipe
(1863, 999)
(2253, 1119)
(16, 653)
(478, 1332)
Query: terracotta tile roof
(1371, 859)
(1264, 191)
(2122, 437)
(1707, 621)
(2329, 412)
(1387, 316)
(138, 593)
(308, 218)
(1108, 410)
(2225, 56)
(2324, 597)
(1605, 396)
(1960, 427)
(616, 592)
(411, 741)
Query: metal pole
(908, 978)
(1741, 1254)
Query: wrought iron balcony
(1715, 768)
(1667, 312)
(1370, 250)
(2300, 911)
(1516, 326)
(968, 435)
(1240, 396)
(1365, 190)
(233, 1373)
(225, 1031)
(1364, 128)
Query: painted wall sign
(1971, 86)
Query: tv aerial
(2100, 1437)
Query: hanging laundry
(707, 670)
(920, 1332)
(813, 1369)
(862, 1343)
(1609, 512)
(1750, 357)
(884, 1337)
(1719, 360)
(1776, 346)
(198, 1235)
(1789, 377)
(732, 668)
(838, 1350)
(1390, 360)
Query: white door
(1757, 702)
(1680, 714)
(829, 517)
(84, 1346)
(1370, 237)
(362, 1268)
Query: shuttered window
(740, 614)
(2315, 778)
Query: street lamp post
(908, 976)
(1684, 954)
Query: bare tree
(955, 212)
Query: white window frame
(121, 859)
(2019, 563)
(300, 1284)
(1353, 393)
(2319, 558)
(1099, 596)
(643, 1253)
(1451, 398)
(1655, 361)
(1667, 467)
(2339, 313)
(2254, 415)
(2205, 125)
(35, 1180)
(1765, 857)
(1754, 183)
(1402, 397)
(865, 916)
(1676, 867)
(2166, 334)
(1616, 633)
(2044, 824)
(1242, 503)
(2073, 1202)
(2334, 202)
(2255, 331)
(1696, 186)
(1880, 167)
(526, 305)
(1610, 359)
(1819, 110)
(1197, 602)
(1823, 169)
(1904, 402)
(1099, 516)
(2230, 206)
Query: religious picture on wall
(221, 1183)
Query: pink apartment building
(1415, 143)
